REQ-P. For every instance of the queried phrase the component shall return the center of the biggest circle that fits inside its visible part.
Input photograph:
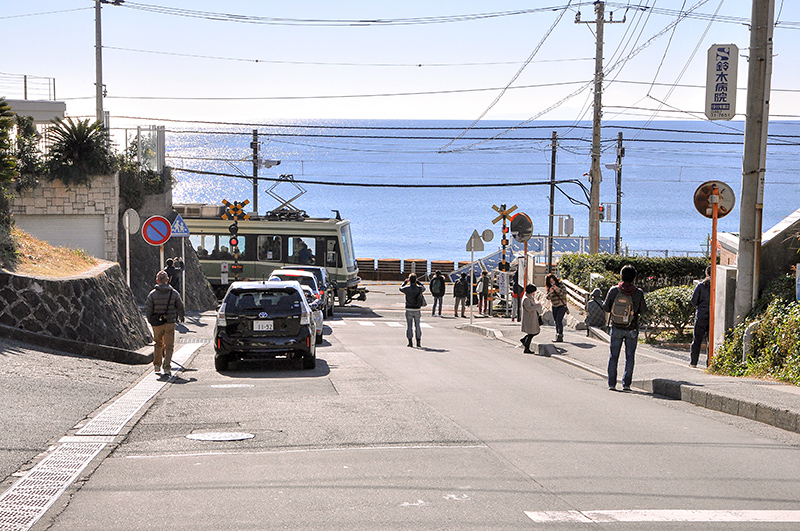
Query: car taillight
(221, 322)
(305, 318)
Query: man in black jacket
(701, 300)
(413, 292)
(460, 293)
(626, 303)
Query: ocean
(449, 187)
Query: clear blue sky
(315, 60)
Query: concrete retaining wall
(95, 308)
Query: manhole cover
(220, 436)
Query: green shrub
(670, 307)
(775, 346)
(80, 150)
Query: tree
(29, 159)
(80, 150)
(8, 170)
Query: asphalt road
(463, 433)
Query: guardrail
(576, 295)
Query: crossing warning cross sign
(235, 210)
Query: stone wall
(145, 259)
(96, 307)
(59, 202)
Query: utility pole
(754, 159)
(254, 145)
(98, 57)
(552, 202)
(620, 154)
(595, 175)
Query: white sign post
(132, 222)
(723, 62)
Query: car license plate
(262, 326)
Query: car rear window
(271, 299)
(306, 281)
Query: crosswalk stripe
(596, 517)
(365, 323)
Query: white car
(316, 310)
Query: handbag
(421, 300)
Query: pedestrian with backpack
(460, 293)
(625, 302)
(437, 291)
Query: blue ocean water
(434, 215)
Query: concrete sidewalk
(661, 372)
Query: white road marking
(425, 325)
(366, 323)
(394, 324)
(336, 323)
(597, 517)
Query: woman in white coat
(530, 317)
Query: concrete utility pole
(552, 202)
(98, 57)
(754, 159)
(254, 145)
(595, 175)
(620, 154)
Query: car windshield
(259, 299)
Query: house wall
(82, 217)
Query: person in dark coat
(413, 291)
(530, 317)
(701, 300)
(517, 292)
(482, 288)
(595, 314)
(437, 291)
(163, 308)
(460, 293)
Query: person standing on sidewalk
(482, 288)
(460, 293)
(530, 317)
(701, 300)
(517, 292)
(437, 291)
(413, 291)
(557, 295)
(163, 308)
(626, 303)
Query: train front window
(348, 255)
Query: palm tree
(80, 150)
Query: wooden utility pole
(754, 159)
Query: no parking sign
(156, 230)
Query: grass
(38, 258)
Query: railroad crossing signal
(504, 215)
(235, 210)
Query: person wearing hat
(163, 308)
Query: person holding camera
(163, 309)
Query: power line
(317, 63)
(283, 21)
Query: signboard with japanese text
(723, 61)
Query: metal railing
(27, 87)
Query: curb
(685, 391)
(89, 350)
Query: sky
(423, 60)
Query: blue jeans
(412, 320)
(618, 337)
(437, 300)
(558, 316)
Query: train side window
(269, 248)
(301, 250)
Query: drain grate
(30, 497)
(112, 419)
